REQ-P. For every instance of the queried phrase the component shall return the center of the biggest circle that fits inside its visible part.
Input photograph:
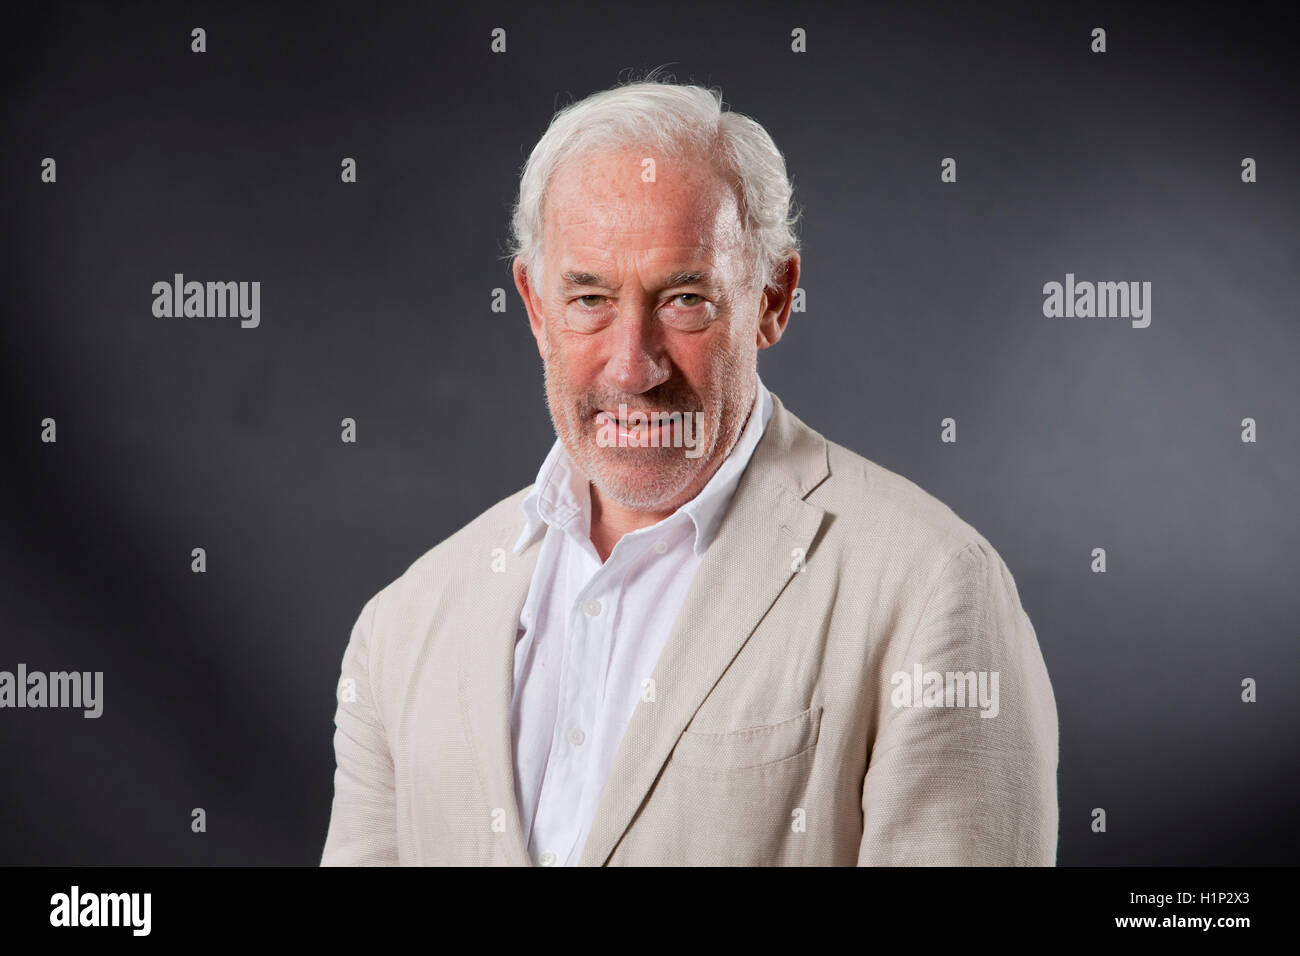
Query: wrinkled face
(645, 304)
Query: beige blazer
(774, 729)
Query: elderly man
(705, 634)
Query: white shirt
(591, 633)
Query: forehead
(602, 203)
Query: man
(705, 634)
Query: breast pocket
(750, 747)
(736, 798)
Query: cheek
(718, 358)
(578, 356)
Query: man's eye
(690, 295)
(591, 305)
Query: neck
(611, 520)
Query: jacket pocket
(751, 747)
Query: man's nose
(636, 361)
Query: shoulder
(886, 531)
(498, 526)
(890, 527)
(447, 567)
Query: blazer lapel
(499, 582)
(742, 573)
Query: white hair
(677, 120)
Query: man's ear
(532, 304)
(774, 308)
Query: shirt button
(592, 608)
(547, 859)
(576, 737)
(661, 547)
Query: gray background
(924, 301)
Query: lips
(655, 419)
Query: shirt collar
(561, 495)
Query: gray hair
(674, 119)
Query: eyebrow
(584, 278)
(686, 277)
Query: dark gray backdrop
(924, 301)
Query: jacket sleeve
(362, 827)
(971, 785)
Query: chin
(631, 499)
(641, 488)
